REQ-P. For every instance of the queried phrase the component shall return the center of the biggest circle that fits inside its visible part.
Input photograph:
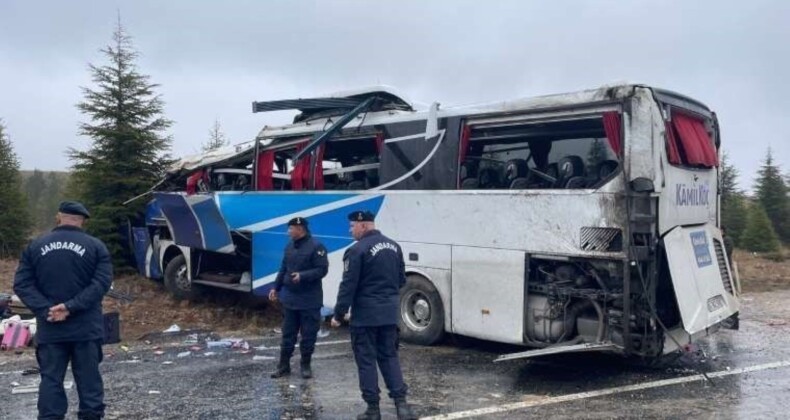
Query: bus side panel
(489, 303)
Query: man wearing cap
(63, 277)
(298, 288)
(373, 273)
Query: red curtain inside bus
(611, 124)
(265, 169)
(697, 145)
(301, 171)
(300, 175)
(194, 180)
(466, 134)
(688, 142)
(672, 145)
(319, 168)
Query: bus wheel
(421, 312)
(177, 280)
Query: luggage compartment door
(196, 222)
(488, 293)
(702, 283)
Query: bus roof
(607, 93)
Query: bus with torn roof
(586, 221)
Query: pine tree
(53, 195)
(733, 202)
(734, 214)
(34, 189)
(216, 138)
(728, 181)
(759, 235)
(772, 195)
(129, 149)
(14, 216)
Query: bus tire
(421, 318)
(177, 280)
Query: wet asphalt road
(450, 379)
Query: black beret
(75, 208)
(361, 216)
(298, 221)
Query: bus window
(689, 144)
(555, 155)
(350, 164)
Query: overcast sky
(213, 58)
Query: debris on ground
(184, 354)
(31, 371)
(222, 344)
(172, 329)
(32, 388)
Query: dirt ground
(153, 309)
(759, 274)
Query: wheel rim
(416, 310)
(182, 280)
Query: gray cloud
(213, 59)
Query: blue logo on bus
(701, 250)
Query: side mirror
(642, 185)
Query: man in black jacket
(298, 287)
(63, 277)
(373, 273)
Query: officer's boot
(307, 371)
(283, 368)
(404, 410)
(372, 413)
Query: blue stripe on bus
(242, 210)
(331, 228)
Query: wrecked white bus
(580, 221)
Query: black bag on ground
(112, 328)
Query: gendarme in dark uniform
(373, 273)
(298, 287)
(63, 277)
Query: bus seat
(520, 183)
(602, 172)
(489, 178)
(570, 166)
(515, 168)
(469, 169)
(576, 182)
(606, 168)
(470, 184)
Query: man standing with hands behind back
(373, 273)
(298, 287)
(63, 277)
